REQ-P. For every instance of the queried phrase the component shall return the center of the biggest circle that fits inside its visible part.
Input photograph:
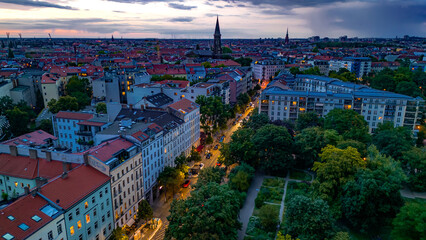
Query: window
(79, 224)
(72, 230)
(96, 225)
(109, 226)
(24, 226)
(108, 214)
(59, 227)
(80, 237)
(93, 199)
(86, 205)
(70, 216)
(97, 237)
(103, 218)
(94, 212)
(87, 218)
(100, 194)
(106, 190)
(89, 230)
(50, 235)
(11, 218)
(77, 211)
(102, 206)
(104, 231)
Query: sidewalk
(248, 207)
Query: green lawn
(300, 175)
(273, 182)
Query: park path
(248, 207)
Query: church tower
(217, 45)
(286, 41)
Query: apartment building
(265, 70)
(361, 66)
(120, 159)
(374, 105)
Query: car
(208, 155)
(201, 166)
(186, 183)
(216, 147)
(218, 164)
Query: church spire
(217, 44)
(287, 40)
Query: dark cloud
(371, 19)
(37, 4)
(284, 3)
(181, 6)
(181, 19)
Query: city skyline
(196, 19)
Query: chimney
(86, 158)
(33, 153)
(27, 190)
(131, 107)
(64, 175)
(40, 181)
(66, 166)
(49, 156)
(142, 107)
(13, 150)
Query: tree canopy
(347, 123)
(409, 223)
(392, 141)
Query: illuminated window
(380, 118)
(87, 218)
(285, 108)
(130, 212)
(72, 230)
(16, 184)
(294, 103)
(123, 93)
(79, 224)
(86, 205)
(116, 215)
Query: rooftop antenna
(20, 36)
(50, 37)
(8, 34)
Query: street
(161, 208)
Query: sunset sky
(196, 18)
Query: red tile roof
(185, 105)
(140, 135)
(79, 183)
(36, 138)
(106, 150)
(26, 167)
(23, 210)
(74, 115)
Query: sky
(197, 18)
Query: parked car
(218, 164)
(208, 155)
(216, 147)
(186, 183)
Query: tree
(211, 212)
(336, 168)
(240, 181)
(194, 156)
(46, 125)
(414, 162)
(274, 146)
(359, 146)
(408, 88)
(342, 236)
(206, 65)
(312, 71)
(118, 234)
(308, 218)
(210, 174)
(245, 62)
(295, 71)
(310, 142)
(82, 99)
(101, 108)
(226, 50)
(171, 179)
(373, 196)
(257, 121)
(384, 80)
(392, 141)
(144, 210)
(281, 236)
(65, 103)
(243, 99)
(6, 103)
(309, 119)
(181, 159)
(241, 148)
(18, 121)
(409, 223)
(347, 123)
(268, 217)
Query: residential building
(361, 66)
(265, 70)
(323, 96)
(195, 72)
(120, 159)
(32, 217)
(76, 130)
(84, 195)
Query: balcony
(84, 133)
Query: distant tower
(286, 41)
(217, 45)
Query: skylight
(8, 236)
(49, 210)
(11, 218)
(36, 218)
(23, 226)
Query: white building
(264, 70)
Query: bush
(259, 201)
(268, 217)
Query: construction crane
(50, 37)
(7, 34)
(20, 36)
